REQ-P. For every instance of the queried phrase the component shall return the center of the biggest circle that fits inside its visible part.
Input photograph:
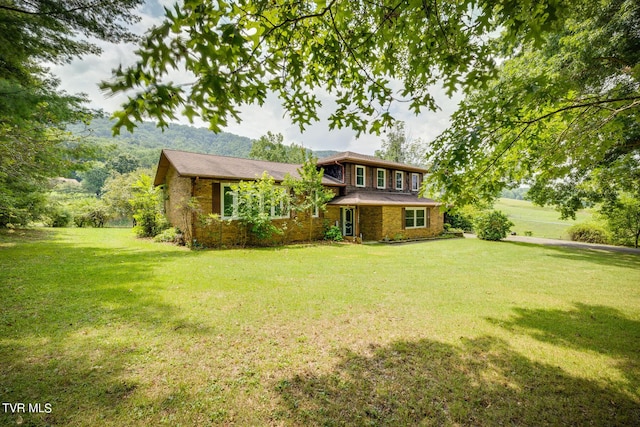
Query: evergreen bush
(493, 225)
(588, 232)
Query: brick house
(380, 199)
(374, 199)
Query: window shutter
(402, 219)
(215, 197)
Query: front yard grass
(110, 330)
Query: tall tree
(394, 146)
(398, 148)
(123, 163)
(33, 111)
(308, 193)
(562, 102)
(271, 147)
(555, 117)
(365, 54)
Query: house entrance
(348, 222)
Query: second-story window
(360, 176)
(415, 182)
(399, 180)
(382, 178)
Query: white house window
(416, 218)
(399, 180)
(277, 208)
(360, 176)
(415, 182)
(382, 178)
(229, 202)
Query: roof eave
(380, 164)
(237, 178)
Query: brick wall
(177, 195)
(393, 220)
(217, 233)
(371, 222)
(375, 222)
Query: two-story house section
(380, 199)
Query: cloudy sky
(84, 75)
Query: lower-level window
(416, 218)
(229, 202)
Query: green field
(109, 330)
(541, 221)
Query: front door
(348, 222)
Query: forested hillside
(147, 141)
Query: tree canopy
(561, 117)
(398, 148)
(551, 87)
(366, 54)
(271, 147)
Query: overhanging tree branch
(582, 105)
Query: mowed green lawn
(541, 221)
(109, 330)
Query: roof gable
(225, 168)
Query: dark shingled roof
(363, 159)
(375, 198)
(223, 167)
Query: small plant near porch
(332, 233)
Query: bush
(57, 216)
(89, 211)
(623, 219)
(588, 232)
(170, 235)
(492, 225)
(462, 217)
(333, 233)
(149, 223)
(146, 203)
(459, 220)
